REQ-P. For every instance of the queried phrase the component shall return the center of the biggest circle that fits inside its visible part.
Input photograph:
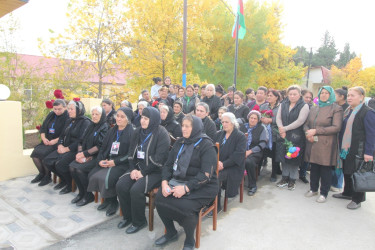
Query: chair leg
(198, 231)
(74, 186)
(151, 211)
(214, 217)
(121, 212)
(54, 178)
(225, 202)
(101, 200)
(242, 188)
(96, 196)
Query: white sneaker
(335, 189)
(321, 199)
(310, 193)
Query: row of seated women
(124, 163)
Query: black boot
(45, 181)
(104, 205)
(113, 207)
(37, 178)
(89, 197)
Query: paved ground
(273, 219)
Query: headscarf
(331, 99)
(188, 145)
(154, 116)
(80, 109)
(128, 112)
(168, 119)
(90, 133)
(250, 129)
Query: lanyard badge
(52, 129)
(141, 153)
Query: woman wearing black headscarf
(86, 157)
(50, 132)
(112, 161)
(232, 155)
(168, 121)
(58, 161)
(189, 182)
(148, 153)
(109, 108)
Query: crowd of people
(167, 142)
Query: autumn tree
(97, 32)
(345, 56)
(326, 53)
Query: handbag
(364, 177)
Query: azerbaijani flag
(241, 19)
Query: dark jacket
(189, 106)
(156, 151)
(111, 120)
(179, 118)
(363, 137)
(93, 139)
(209, 128)
(169, 101)
(240, 112)
(73, 132)
(203, 160)
(58, 123)
(232, 155)
(121, 159)
(171, 125)
(214, 103)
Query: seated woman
(189, 100)
(109, 108)
(238, 108)
(221, 111)
(58, 161)
(148, 153)
(257, 137)
(178, 114)
(189, 182)
(168, 121)
(202, 111)
(86, 157)
(50, 131)
(112, 161)
(126, 104)
(138, 114)
(232, 155)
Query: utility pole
(308, 69)
(184, 46)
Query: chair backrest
(218, 157)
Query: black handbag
(364, 177)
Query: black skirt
(84, 167)
(41, 150)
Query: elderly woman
(219, 125)
(88, 150)
(109, 108)
(112, 161)
(50, 132)
(202, 111)
(137, 119)
(189, 100)
(163, 93)
(58, 161)
(168, 121)
(148, 152)
(232, 155)
(212, 101)
(257, 138)
(273, 102)
(293, 112)
(189, 182)
(321, 128)
(126, 103)
(177, 109)
(356, 138)
(238, 108)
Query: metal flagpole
(236, 56)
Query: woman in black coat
(58, 161)
(112, 161)
(168, 121)
(257, 138)
(356, 138)
(232, 155)
(178, 114)
(147, 154)
(238, 108)
(213, 102)
(50, 132)
(86, 157)
(109, 108)
(189, 182)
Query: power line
(226, 5)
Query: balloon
(288, 157)
(292, 149)
(288, 154)
(298, 149)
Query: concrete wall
(13, 162)
(90, 103)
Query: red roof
(326, 75)
(43, 67)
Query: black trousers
(80, 172)
(183, 211)
(59, 164)
(132, 197)
(357, 197)
(251, 163)
(322, 174)
(275, 165)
